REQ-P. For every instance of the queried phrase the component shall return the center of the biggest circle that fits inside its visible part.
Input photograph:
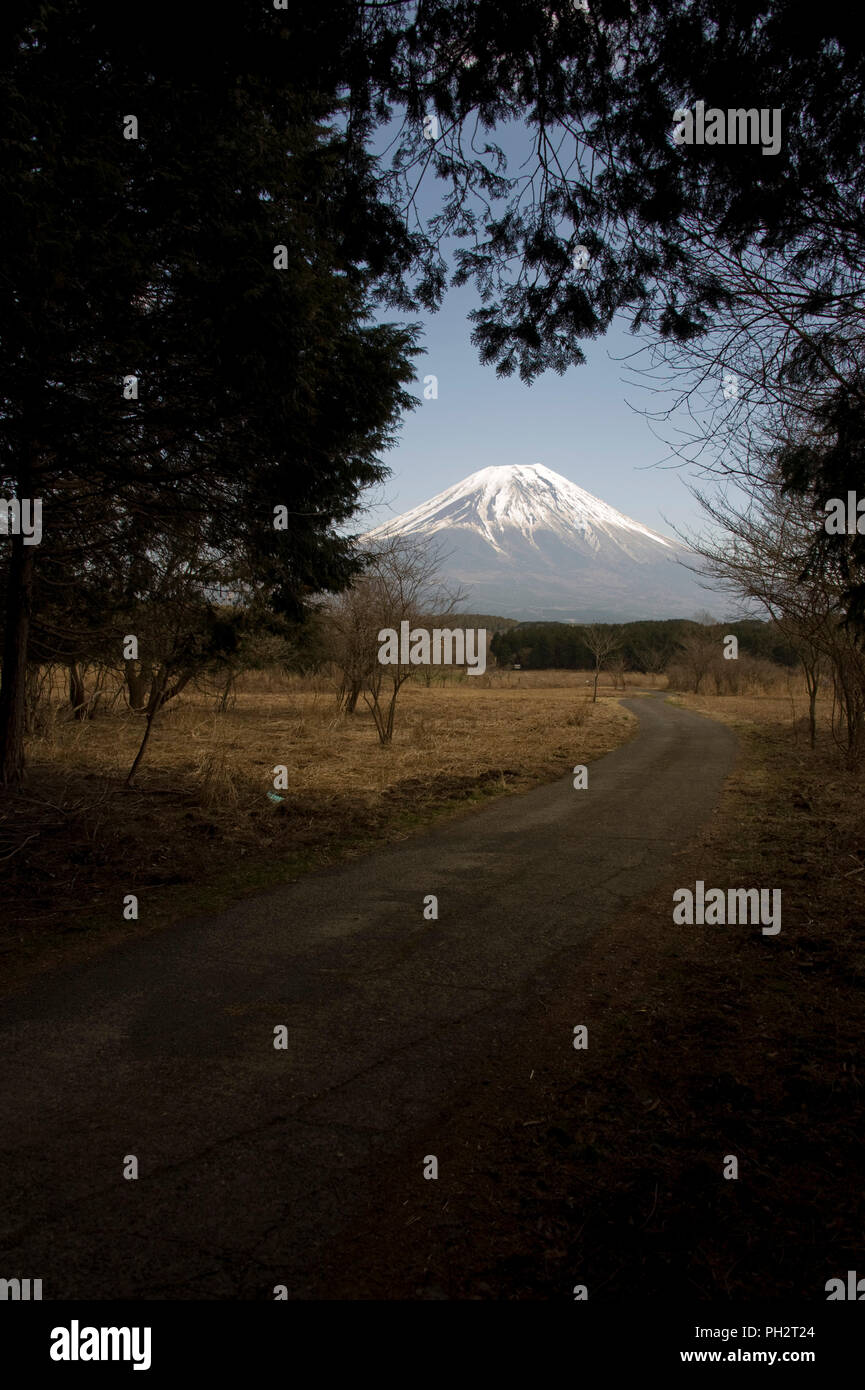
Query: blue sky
(579, 424)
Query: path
(250, 1158)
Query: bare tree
(351, 627)
(616, 668)
(756, 550)
(401, 584)
(602, 642)
(653, 657)
(180, 632)
(699, 650)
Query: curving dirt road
(253, 1160)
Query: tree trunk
(351, 697)
(77, 693)
(179, 684)
(13, 688)
(227, 695)
(138, 680)
(812, 684)
(34, 683)
(153, 706)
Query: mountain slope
(525, 541)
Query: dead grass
(706, 1042)
(199, 828)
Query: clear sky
(580, 424)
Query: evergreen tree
(223, 260)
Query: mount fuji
(524, 542)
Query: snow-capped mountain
(526, 543)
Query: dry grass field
(707, 1042)
(198, 827)
(799, 813)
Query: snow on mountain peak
(522, 540)
(524, 498)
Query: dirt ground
(198, 829)
(604, 1167)
(601, 1167)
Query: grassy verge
(199, 830)
(605, 1167)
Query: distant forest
(646, 646)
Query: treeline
(490, 622)
(197, 392)
(647, 647)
